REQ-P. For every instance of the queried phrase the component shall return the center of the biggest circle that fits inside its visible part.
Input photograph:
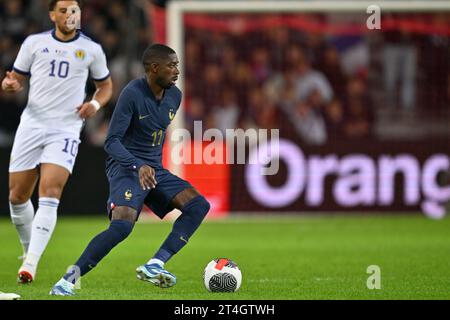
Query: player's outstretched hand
(147, 177)
(86, 110)
(11, 84)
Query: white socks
(157, 261)
(42, 228)
(22, 217)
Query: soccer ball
(222, 275)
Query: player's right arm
(120, 122)
(21, 68)
(13, 82)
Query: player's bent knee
(122, 229)
(205, 205)
(199, 205)
(17, 198)
(124, 213)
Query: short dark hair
(52, 4)
(155, 53)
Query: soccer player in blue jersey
(136, 176)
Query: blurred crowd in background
(315, 87)
(319, 87)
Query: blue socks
(184, 227)
(99, 247)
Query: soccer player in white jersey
(58, 63)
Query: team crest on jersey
(128, 195)
(80, 54)
(171, 114)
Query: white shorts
(33, 146)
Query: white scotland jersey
(58, 73)
(50, 126)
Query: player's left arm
(101, 95)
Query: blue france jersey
(138, 125)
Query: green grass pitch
(309, 257)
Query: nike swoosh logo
(183, 239)
(143, 117)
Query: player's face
(168, 72)
(60, 16)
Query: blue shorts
(125, 190)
